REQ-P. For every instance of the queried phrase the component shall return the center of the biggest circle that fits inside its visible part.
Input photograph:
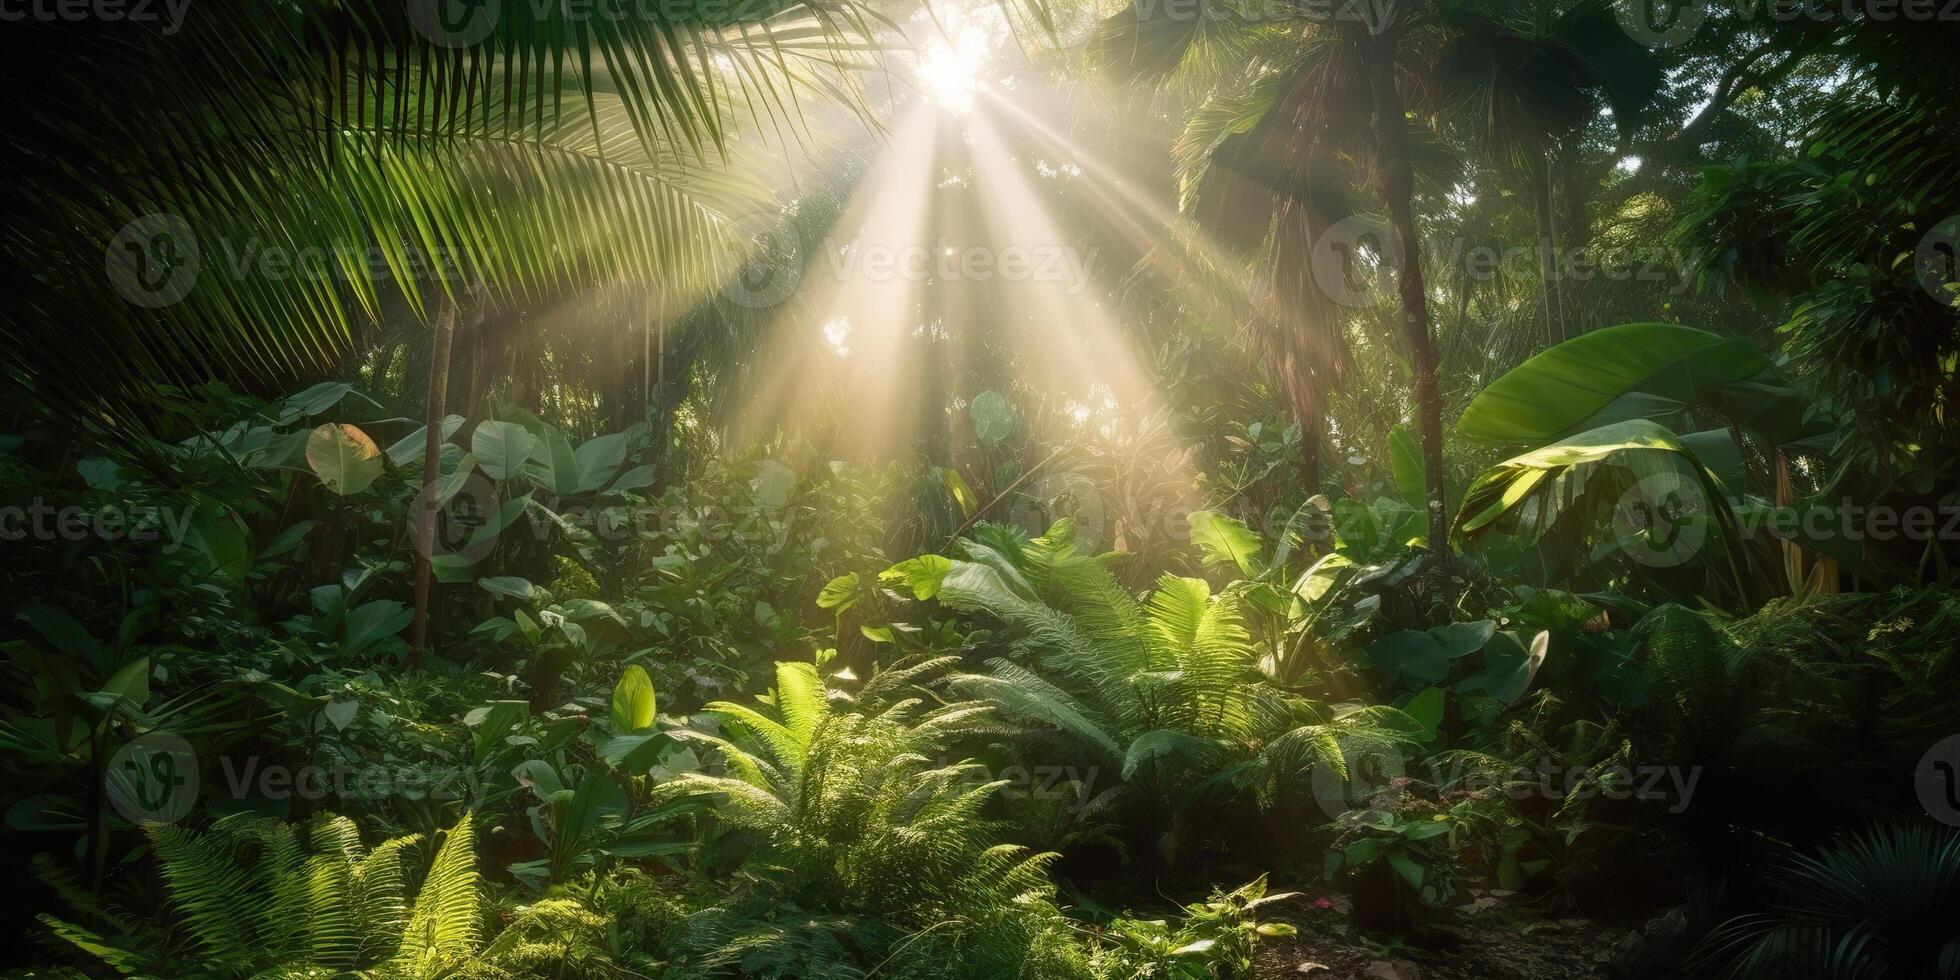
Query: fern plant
(873, 855)
(1882, 903)
(255, 899)
(1164, 690)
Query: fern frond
(446, 925)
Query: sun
(950, 72)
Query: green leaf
(512, 586)
(1225, 540)
(372, 621)
(773, 484)
(100, 473)
(500, 448)
(1321, 576)
(1407, 867)
(491, 723)
(922, 575)
(313, 400)
(552, 464)
(61, 630)
(1560, 389)
(1405, 458)
(636, 478)
(632, 701)
(131, 683)
(1427, 708)
(840, 593)
(1509, 666)
(412, 447)
(1463, 639)
(598, 459)
(1412, 654)
(288, 539)
(343, 457)
(993, 418)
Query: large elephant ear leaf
(500, 448)
(598, 459)
(1634, 369)
(553, 464)
(343, 457)
(1501, 494)
(1664, 506)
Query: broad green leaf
(1406, 866)
(1321, 576)
(343, 457)
(773, 484)
(1463, 639)
(1405, 458)
(632, 701)
(100, 473)
(1560, 389)
(993, 418)
(512, 586)
(1412, 654)
(61, 630)
(840, 593)
(1225, 540)
(131, 683)
(922, 574)
(491, 723)
(288, 539)
(410, 448)
(598, 459)
(451, 483)
(313, 400)
(373, 621)
(552, 465)
(1509, 666)
(500, 448)
(636, 478)
(1427, 707)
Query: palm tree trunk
(1397, 174)
(1541, 193)
(425, 502)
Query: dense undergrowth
(745, 741)
(479, 566)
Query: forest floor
(1492, 937)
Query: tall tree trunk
(425, 502)
(1548, 287)
(1397, 174)
(1576, 196)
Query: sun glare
(951, 71)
